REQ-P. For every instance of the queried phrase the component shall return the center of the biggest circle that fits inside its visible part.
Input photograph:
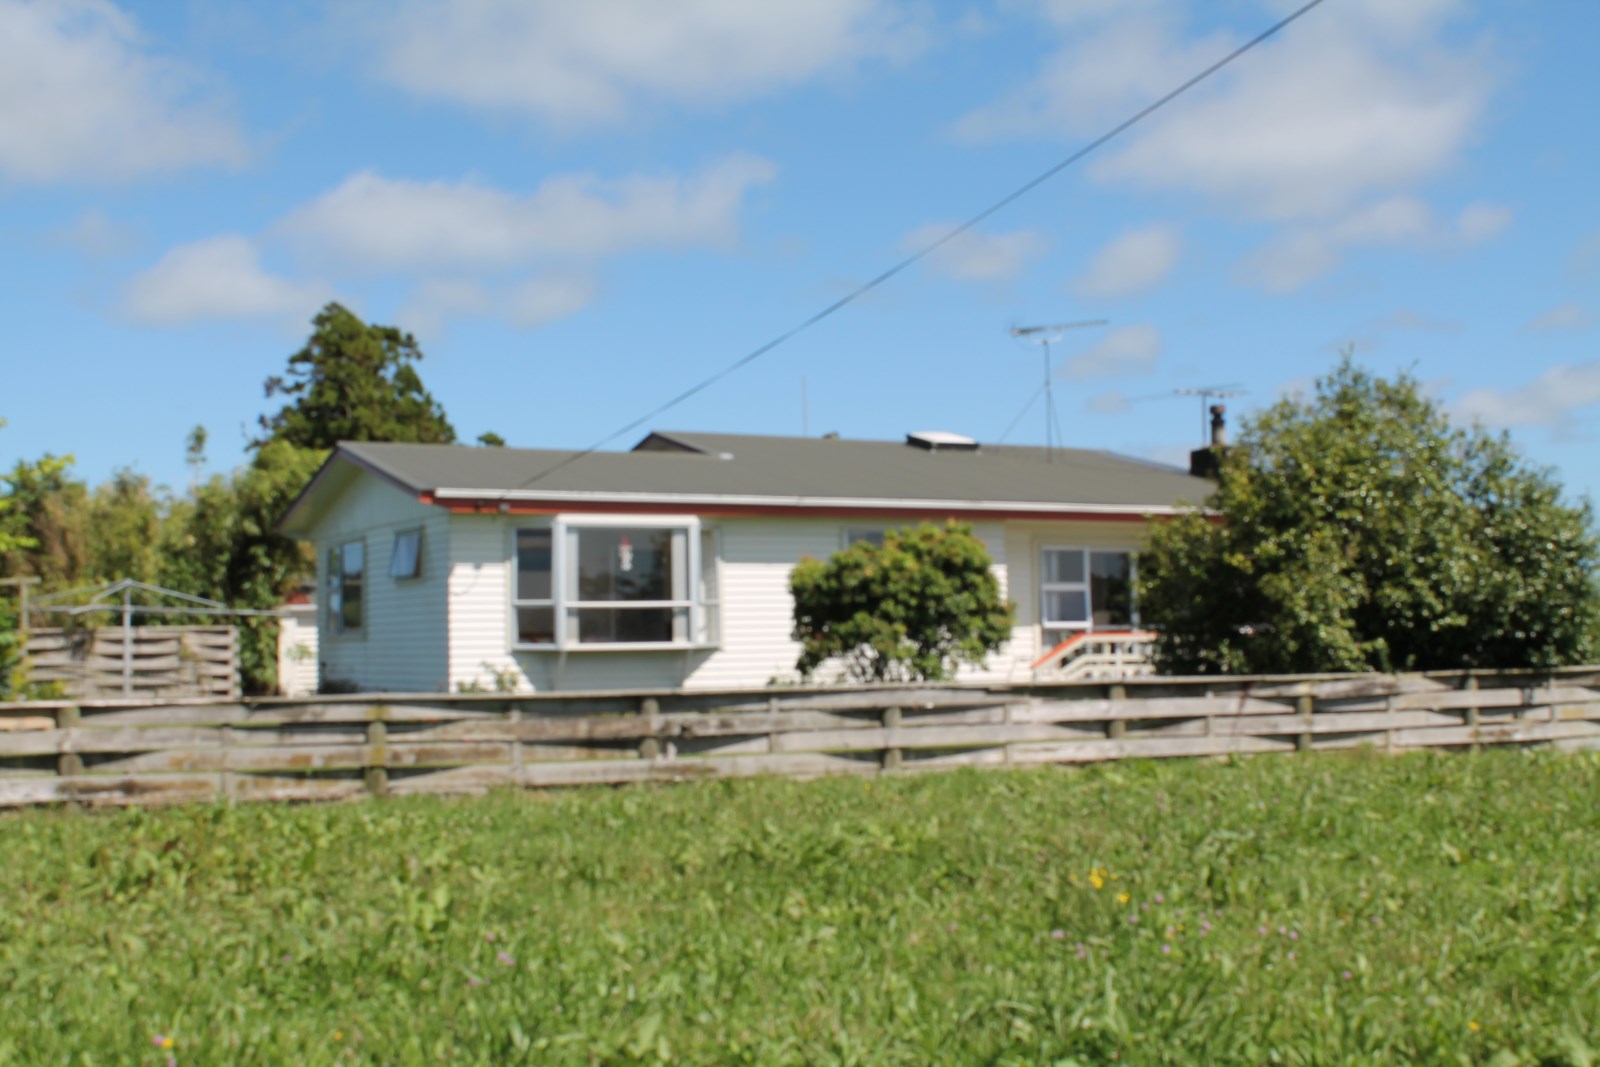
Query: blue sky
(583, 208)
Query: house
(446, 567)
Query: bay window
(1086, 589)
(599, 582)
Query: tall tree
(354, 382)
(917, 607)
(223, 543)
(1358, 530)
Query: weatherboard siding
(401, 646)
(756, 647)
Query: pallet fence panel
(144, 750)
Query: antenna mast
(1045, 336)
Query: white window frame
(334, 560)
(702, 629)
(1085, 587)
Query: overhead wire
(932, 247)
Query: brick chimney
(1207, 462)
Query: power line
(927, 250)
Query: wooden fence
(335, 748)
(150, 662)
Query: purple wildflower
(1166, 950)
(506, 958)
(1348, 976)
(1160, 899)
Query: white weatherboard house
(447, 567)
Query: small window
(872, 535)
(405, 559)
(535, 592)
(347, 565)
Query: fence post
(891, 756)
(513, 717)
(1472, 718)
(650, 711)
(1116, 725)
(378, 753)
(1306, 705)
(70, 764)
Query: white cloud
(1479, 222)
(600, 60)
(976, 256)
(1561, 318)
(217, 278)
(1302, 253)
(1359, 99)
(386, 224)
(547, 298)
(1585, 258)
(436, 300)
(1416, 322)
(1109, 403)
(84, 99)
(1132, 263)
(1128, 350)
(98, 236)
(1549, 400)
(527, 304)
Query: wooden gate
(155, 661)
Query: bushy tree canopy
(916, 607)
(355, 382)
(1358, 530)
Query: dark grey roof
(787, 470)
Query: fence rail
(333, 748)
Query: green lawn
(1302, 910)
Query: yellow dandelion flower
(1473, 1026)
(338, 1035)
(1123, 898)
(167, 1042)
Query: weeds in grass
(1323, 910)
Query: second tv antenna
(1045, 336)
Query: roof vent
(942, 441)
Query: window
(602, 583)
(873, 535)
(346, 569)
(1086, 589)
(405, 558)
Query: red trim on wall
(552, 507)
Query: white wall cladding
(757, 612)
(479, 602)
(402, 643)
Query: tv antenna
(1045, 336)
(1206, 393)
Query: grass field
(1316, 910)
